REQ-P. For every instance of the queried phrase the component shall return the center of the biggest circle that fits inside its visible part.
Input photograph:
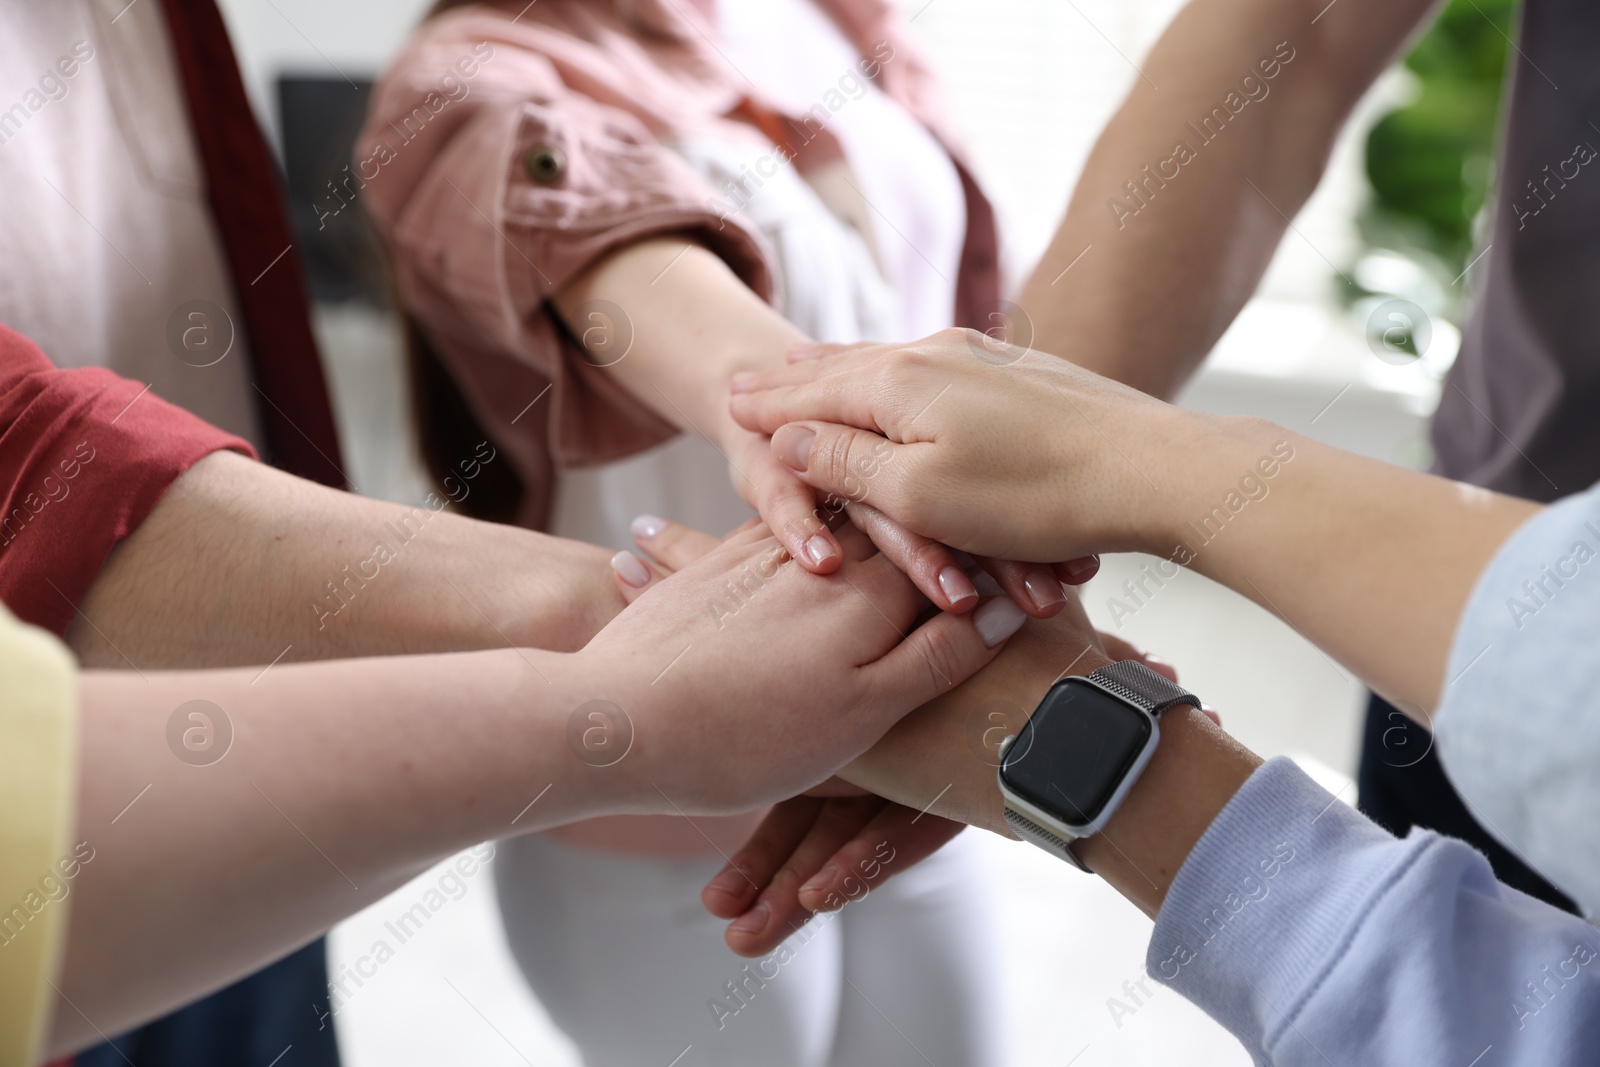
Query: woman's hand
(827, 663)
(791, 510)
(939, 763)
(1033, 460)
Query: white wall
(328, 38)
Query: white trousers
(620, 952)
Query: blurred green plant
(1430, 161)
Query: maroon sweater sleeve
(84, 457)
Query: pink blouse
(511, 146)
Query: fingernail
(743, 382)
(956, 585)
(1081, 570)
(648, 526)
(822, 879)
(730, 882)
(753, 921)
(793, 445)
(819, 548)
(1043, 589)
(997, 620)
(630, 569)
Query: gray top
(1521, 408)
(1518, 724)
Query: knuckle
(943, 659)
(830, 456)
(927, 557)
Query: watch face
(1075, 751)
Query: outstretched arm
(1079, 464)
(1222, 139)
(226, 831)
(240, 563)
(127, 525)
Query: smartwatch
(1066, 772)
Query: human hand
(792, 511)
(942, 441)
(687, 662)
(816, 854)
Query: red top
(84, 457)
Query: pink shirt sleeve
(494, 184)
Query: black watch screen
(1075, 751)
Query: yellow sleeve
(38, 751)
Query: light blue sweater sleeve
(1518, 723)
(1318, 939)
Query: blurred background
(1318, 350)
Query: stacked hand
(799, 515)
(1032, 460)
(826, 663)
(929, 776)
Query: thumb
(857, 465)
(941, 654)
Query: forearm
(1330, 541)
(692, 325)
(1176, 213)
(240, 563)
(1195, 771)
(340, 781)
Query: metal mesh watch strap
(1143, 687)
(1035, 834)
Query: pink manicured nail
(819, 548)
(630, 569)
(743, 382)
(998, 620)
(1081, 570)
(1043, 589)
(792, 445)
(956, 585)
(648, 526)
(753, 921)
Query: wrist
(563, 591)
(1207, 469)
(1195, 770)
(515, 586)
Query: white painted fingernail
(956, 585)
(648, 526)
(819, 548)
(998, 620)
(630, 569)
(1043, 589)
